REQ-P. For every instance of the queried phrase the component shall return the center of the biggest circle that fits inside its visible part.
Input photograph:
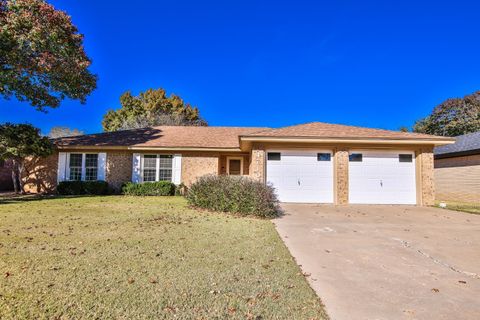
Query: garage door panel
(299, 177)
(380, 178)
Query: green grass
(144, 258)
(468, 207)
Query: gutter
(457, 154)
(434, 141)
(140, 148)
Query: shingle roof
(466, 143)
(328, 130)
(164, 136)
(226, 137)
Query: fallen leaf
(435, 290)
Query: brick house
(314, 162)
(457, 169)
(6, 183)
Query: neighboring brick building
(6, 183)
(457, 169)
(314, 162)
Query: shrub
(160, 188)
(83, 187)
(234, 194)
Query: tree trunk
(14, 178)
(21, 168)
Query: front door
(234, 166)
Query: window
(91, 167)
(405, 158)
(355, 157)
(323, 156)
(274, 156)
(149, 168)
(84, 167)
(157, 167)
(165, 168)
(75, 166)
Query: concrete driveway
(387, 262)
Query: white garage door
(301, 176)
(382, 177)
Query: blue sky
(379, 64)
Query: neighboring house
(6, 183)
(313, 162)
(457, 169)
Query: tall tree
(18, 142)
(151, 108)
(59, 132)
(453, 117)
(42, 59)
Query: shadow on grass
(20, 198)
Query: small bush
(83, 187)
(234, 194)
(160, 188)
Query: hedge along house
(311, 163)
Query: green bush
(234, 194)
(160, 188)
(83, 187)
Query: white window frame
(157, 166)
(83, 169)
(234, 158)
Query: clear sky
(380, 64)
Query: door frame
(234, 158)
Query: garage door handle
(298, 181)
(381, 183)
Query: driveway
(387, 262)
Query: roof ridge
(352, 126)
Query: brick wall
(425, 174)
(257, 162)
(341, 176)
(118, 168)
(196, 164)
(41, 174)
(458, 179)
(5, 176)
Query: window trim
(84, 166)
(83, 169)
(234, 158)
(81, 166)
(142, 166)
(157, 166)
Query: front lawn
(150, 258)
(469, 207)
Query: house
(6, 183)
(457, 169)
(312, 163)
